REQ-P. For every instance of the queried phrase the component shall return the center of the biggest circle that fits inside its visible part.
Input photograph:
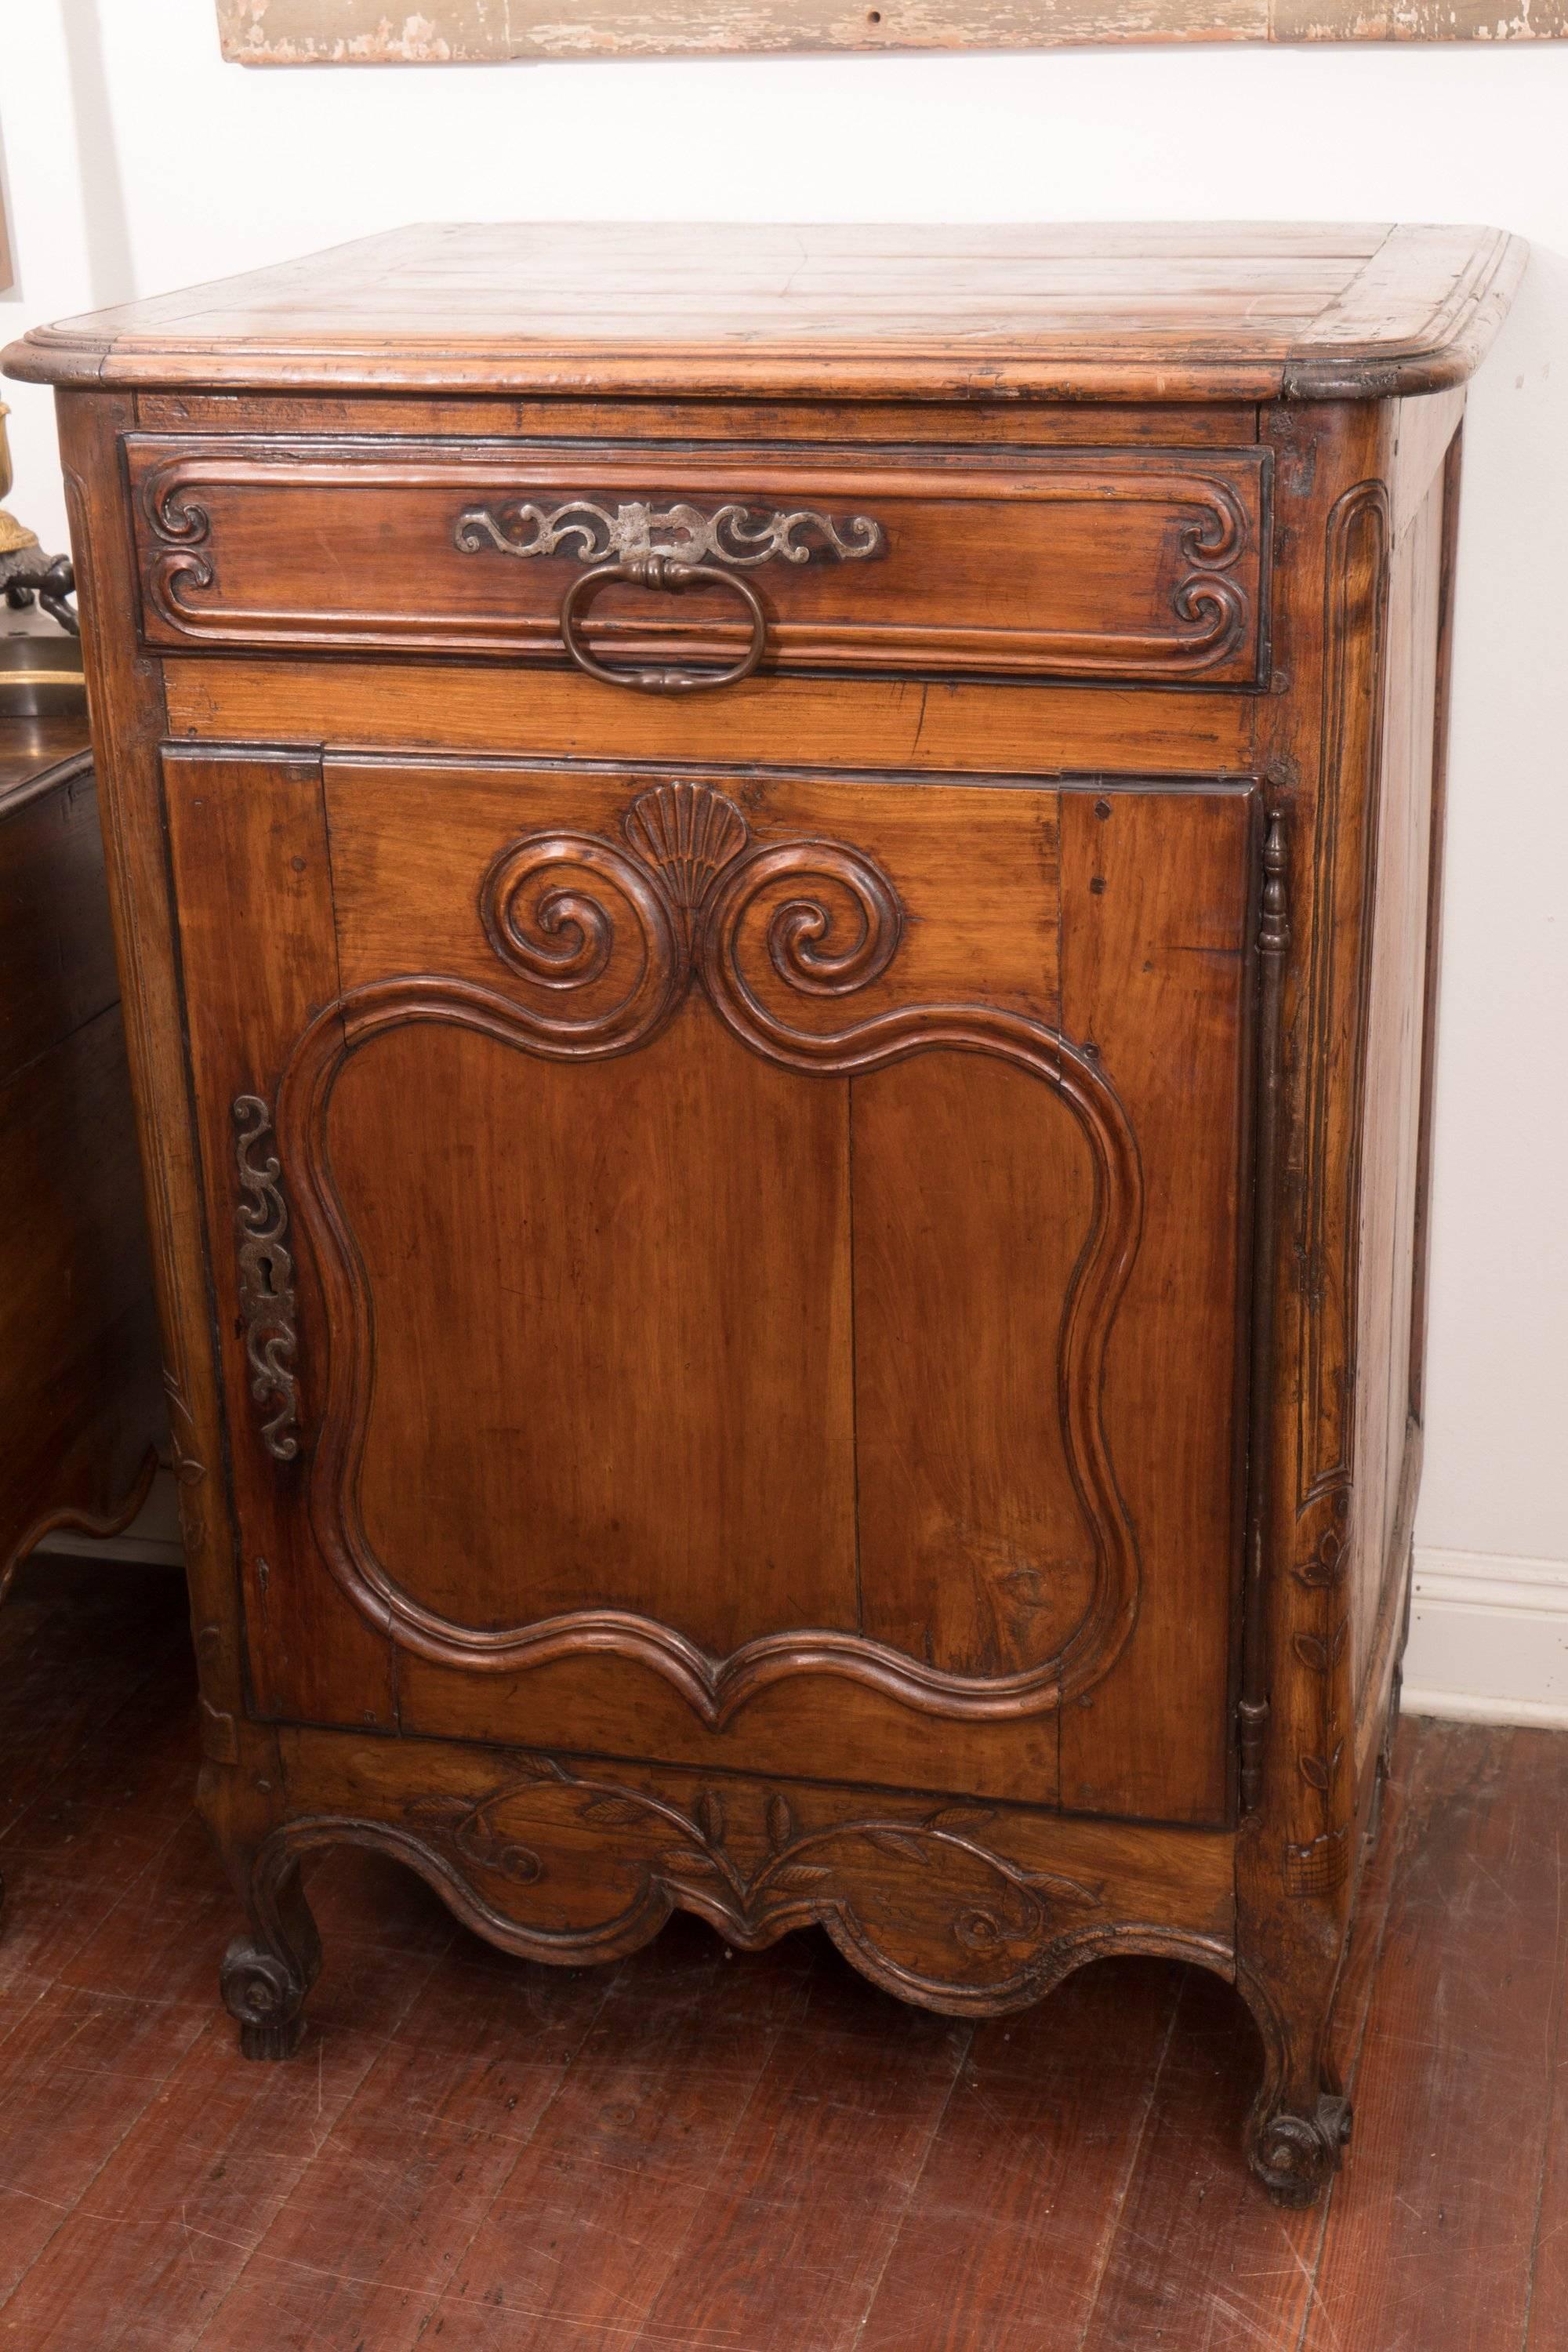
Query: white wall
(137, 161)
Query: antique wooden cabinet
(81, 1408)
(777, 893)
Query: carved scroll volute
(265, 1277)
(181, 563)
(827, 920)
(579, 918)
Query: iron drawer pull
(660, 571)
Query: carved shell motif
(686, 833)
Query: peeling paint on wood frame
(472, 32)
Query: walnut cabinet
(777, 892)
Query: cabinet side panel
(126, 704)
(1386, 1434)
(1157, 892)
(248, 850)
(1320, 746)
(1452, 473)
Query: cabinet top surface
(1228, 311)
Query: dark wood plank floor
(690, 2153)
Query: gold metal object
(14, 535)
(40, 678)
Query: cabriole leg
(1300, 2119)
(267, 1974)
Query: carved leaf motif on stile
(1356, 570)
(823, 1870)
(635, 530)
(1322, 1653)
(1319, 1771)
(1355, 630)
(1327, 1563)
(1320, 1866)
(188, 1469)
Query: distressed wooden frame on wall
(472, 32)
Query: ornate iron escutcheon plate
(664, 547)
(636, 532)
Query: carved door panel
(766, 1265)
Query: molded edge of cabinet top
(36, 755)
(1252, 311)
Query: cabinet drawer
(1138, 564)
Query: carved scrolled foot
(267, 1974)
(1296, 2154)
(266, 1996)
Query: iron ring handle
(659, 572)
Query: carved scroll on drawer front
(1148, 564)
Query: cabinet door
(765, 1262)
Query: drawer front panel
(1110, 563)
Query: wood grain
(127, 700)
(969, 1182)
(1189, 2237)
(1121, 563)
(958, 1907)
(961, 727)
(1395, 1013)
(619, 1379)
(1299, 1853)
(847, 313)
(889, 424)
(1158, 897)
(1453, 2094)
(258, 959)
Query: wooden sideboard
(80, 1400)
(779, 888)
